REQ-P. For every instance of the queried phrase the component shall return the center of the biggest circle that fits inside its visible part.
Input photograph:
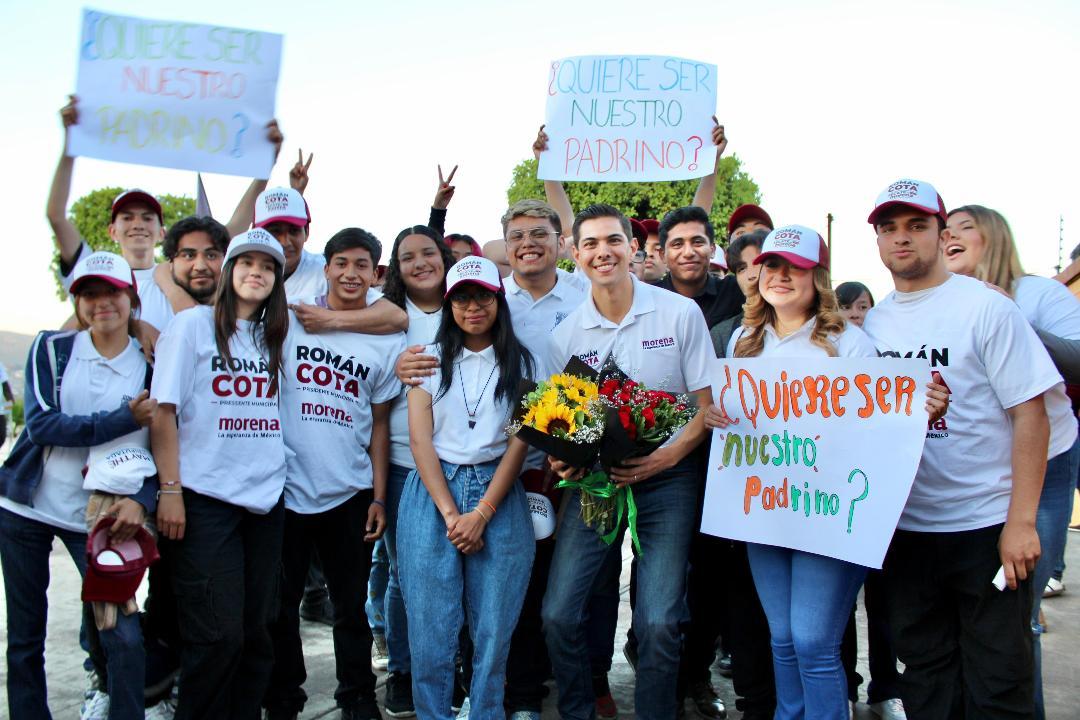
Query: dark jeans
(705, 582)
(527, 665)
(226, 575)
(748, 638)
(338, 535)
(24, 552)
(966, 646)
(884, 679)
(161, 624)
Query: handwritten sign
(629, 118)
(175, 94)
(821, 454)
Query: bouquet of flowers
(640, 420)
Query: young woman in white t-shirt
(221, 463)
(83, 389)
(979, 243)
(807, 598)
(464, 526)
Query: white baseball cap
(106, 266)
(476, 270)
(281, 204)
(799, 245)
(542, 513)
(910, 193)
(120, 466)
(255, 240)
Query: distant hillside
(13, 350)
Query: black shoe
(399, 702)
(706, 701)
(723, 665)
(320, 612)
(361, 710)
(629, 651)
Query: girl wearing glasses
(464, 524)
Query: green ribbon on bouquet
(599, 485)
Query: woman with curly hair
(792, 312)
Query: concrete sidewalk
(1061, 652)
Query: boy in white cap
(966, 643)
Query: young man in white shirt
(284, 213)
(966, 645)
(335, 408)
(660, 339)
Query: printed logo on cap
(275, 201)
(903, 190)
(469, 268)
(100, 263)
(788, 237)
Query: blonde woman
(792, 312)
(978, 242)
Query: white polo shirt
(231, 447)
(662, 342)
(472, 389)
(852, 342)
(991, 360)
(422, 328)
(330, 382)
(535, 320)
(156, 308)
(91, 384)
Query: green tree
(92, 213)
(734, 187)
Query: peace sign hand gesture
(445, 191)
(298, 176)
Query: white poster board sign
(629, 118)
(175, 94)
(821, 454)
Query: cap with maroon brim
(637, 229)
(476, 271)
(135, 196)
(908, 193)
(115, 570)
(799, 245)
(748, 212)
(281, 204)
(102, 265)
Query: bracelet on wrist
(481, 514)
(170, 492)
(170, 483)
(378, 502)
(493, 510)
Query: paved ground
(66, 680)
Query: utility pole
(1061, 241)
(828, 233)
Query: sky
(825, 103)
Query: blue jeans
(377, 582)
(24, 551)
(666, 506)
(1052, 524)
(396, 624)
(807, 599)
(435, 578)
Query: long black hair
(272, 316)
(514, 361)
(393, 288)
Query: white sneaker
(96, 708)
(164, 710)
(380, 656)
(463, 713)
(1054, 587)
(889, 709)
(92, 685)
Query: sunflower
(555, 419)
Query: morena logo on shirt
(664, 342)
(342, 377)
(903, 189)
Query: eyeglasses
(461, 298)
(639, 257)
(536, 235)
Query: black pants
(705, 581)
(528, 666)
(966, 646)
(884, 679)
(338, 536)
(748, 638)
(226, 575)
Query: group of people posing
(293, 405)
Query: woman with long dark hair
(465, 529)
(221, 464)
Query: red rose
(627, 421)
(624, 396)
(608, 388)
(650, 417)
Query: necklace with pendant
(472, 412)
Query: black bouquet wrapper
(616, 444)
(582, 455)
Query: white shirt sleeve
(1017, 365)
(697, 349)
(174, 370)
(1049, 306)
(853, 342)
(388, 386)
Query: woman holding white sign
(792, 312)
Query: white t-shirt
(422, 329)
(472, 390)
(991, 360)
(1048, 306)
(662, 342)
(156, 308)
(852, 342)
(330, 382)
(3, 374)
(231, 447)
(308, 281)
(90, 384)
